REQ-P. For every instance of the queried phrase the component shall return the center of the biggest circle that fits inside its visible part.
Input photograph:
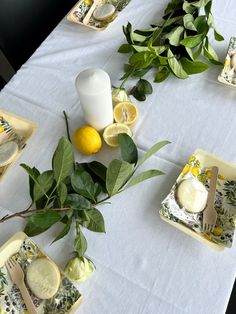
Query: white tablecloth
(143, 264)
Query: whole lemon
(87, 140)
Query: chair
(23, 27)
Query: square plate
(82, 8)
(198, 167)
(228, 74)
(22, 127)
(66, 300)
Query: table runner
(143, 264)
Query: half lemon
(111, 132)
(125, 112)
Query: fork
(17, 276)
(210, 214)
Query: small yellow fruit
(218, 231)
(208, 174)
(195, 171)
(87, 140)
(125, 112)
(111, 132)
(185, 169)
(221, 177)
(192, 158)
(1, 129)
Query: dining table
(143, 264)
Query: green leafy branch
(70, 192)
(172, 47)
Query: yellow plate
(22, 127)
(226, 169)
(12, 246)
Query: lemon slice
(111, 132)
(125, 112)
(8, 152)
(43, 278)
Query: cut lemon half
(125, 112)
(8, 152)
(111, 132)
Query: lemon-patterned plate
(67, 298)
(199, 167)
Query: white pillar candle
(94, 89)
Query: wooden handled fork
(17, 276)
(210, 214)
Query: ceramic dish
(199, 167)
(228, 74)
(87, 7)
(66, 300)
(24, 129)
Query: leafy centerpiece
(171, 47)
(70, 192)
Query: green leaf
(218, 36)
(98, 169)
(155, 148)
(198, 52)
(144, 87)
(211, 24)
(129, 150)
(209, 52)
(97, 189)
(157, 49)
(80, 243)
(137, 37)
(40, 184)
(144, 176)
(63, 160)
(137, 95)
(35, 174)
(96, 221)
(162, 74)
(193, 67)
(208, 7)
(64, 231)
(197, 4)
(188, 8)
(43, 184)
(62, 193)
(118, 173)
(192, 41)
(188, 22)
(141, 73)
(175, 35)
(125, 48)
(176, 66)
(40, 222)
(76, 201)
(127, 32)
(141, 60)
(201, 24)
(83, 184)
